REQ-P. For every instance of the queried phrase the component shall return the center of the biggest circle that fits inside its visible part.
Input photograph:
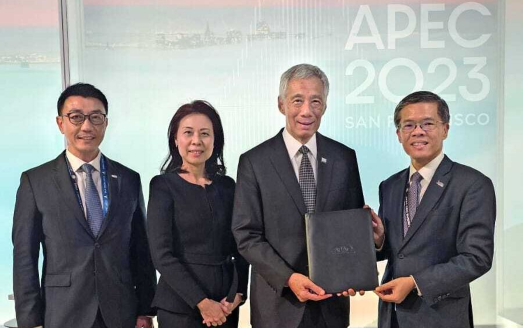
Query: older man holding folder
(298, 171)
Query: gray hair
(303, 71)
(423, 97)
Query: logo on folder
(340, 250)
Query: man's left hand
(144, 321)
(378, 230)
(396, 290)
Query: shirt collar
(428, 171)
(294, 145)
(76, 163)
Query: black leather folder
(341, 251)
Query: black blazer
(81, 273)
(189, 228)
(449, 244)
(269, 225)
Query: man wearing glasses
(438, 225)
(87, 213)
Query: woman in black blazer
(203, 279)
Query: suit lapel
(114, 180)
(435, 189)
(324, 164)
(283, 166)
(67, 191)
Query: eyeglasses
(426, 126)
(79, 118)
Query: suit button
(401, 256)
(97, 245)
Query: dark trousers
(312, 318)
(394, 320)
(99, 321)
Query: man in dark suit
(297, 171)
(438, 219)
(87, 213)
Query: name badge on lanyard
(406, 208)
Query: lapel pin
(439, 183)
(323, 160)
(114, 176)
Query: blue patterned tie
(307, 183)
(412, 200)
(93, 206)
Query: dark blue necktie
(93, 206)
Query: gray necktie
(307, 183)
(412, 201)
(93, 206)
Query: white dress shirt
(294, 145)
(427, 172)
(76, 165)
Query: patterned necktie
(307, 183)
(93, 206)
(412, 201)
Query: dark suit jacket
(81, 273)
(269, 225)
(190, 232)
(449, 244)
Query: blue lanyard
(105, 188)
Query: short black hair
(85, 90)
(423, 97)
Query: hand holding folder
(305, 289)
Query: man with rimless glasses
(86, 212)
(436, 228)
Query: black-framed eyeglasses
(79, 118)
(427, 125)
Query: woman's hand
(212, 313)
(227, 307)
